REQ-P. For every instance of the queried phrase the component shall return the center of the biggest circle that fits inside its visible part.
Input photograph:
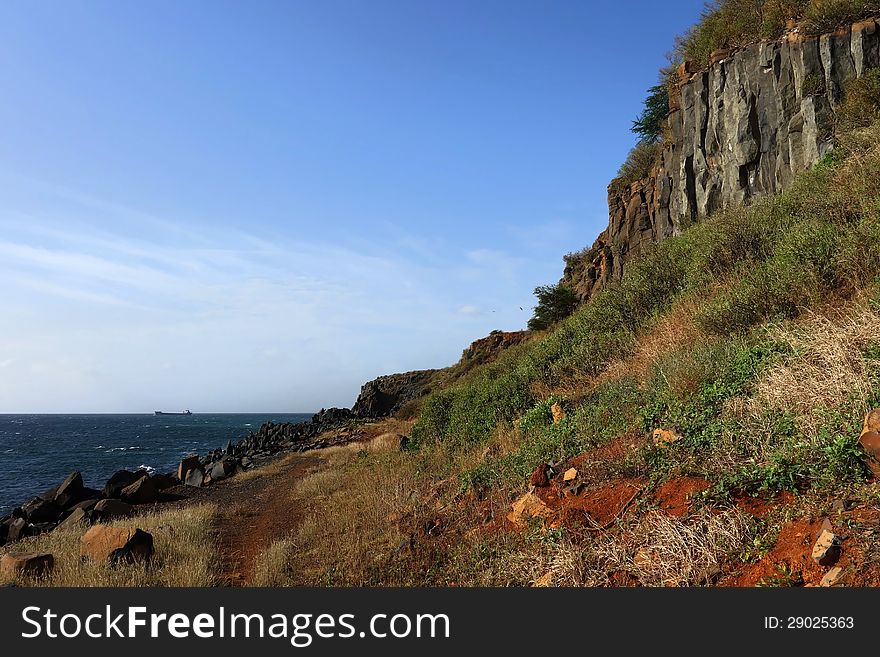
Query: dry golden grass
(182, 539)
(656, 549)
(378, 437)
(273, 566)
(660, 550)
(828, 367)
(357, 502)
(272, 469)
(674, 330)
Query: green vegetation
(741, 273)
(813, 85)
(649, 126)
(555, 303)
(861, 102)
(641, 159)
(727, 24)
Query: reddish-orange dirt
(595, 508)
(252, 514)
(675, 496)
(613, 451)
(759, 506)
(789, 563)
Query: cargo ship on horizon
(186, 412)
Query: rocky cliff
(386, 395)
(741, 128)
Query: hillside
(702, 418)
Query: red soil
(674, 497)
(613, 451)
(253, 514)
(759, 506)
(596, 507)
(789, 562)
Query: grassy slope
(739, 273)
(184, 553)
(754, 334)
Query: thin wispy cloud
(108, 302)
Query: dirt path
(253, 514)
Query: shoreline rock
(71, 502)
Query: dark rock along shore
(72, 501)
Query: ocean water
(39, 451)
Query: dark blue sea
(39, 451)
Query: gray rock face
(383, 396)
(743, 128)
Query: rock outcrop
(383, 396)
(487, 349)
(386, 395)
(744, 127)
(116, 545)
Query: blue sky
(257, 206)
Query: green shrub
(861, 102)
(747, 266)
(813, 85)
(650, 124)
(726, 24)
(555, 303)
(820, 16)
(607, 412)
(638, 164)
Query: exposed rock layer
(744, 127)
(383, 396)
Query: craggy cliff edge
(743, 127)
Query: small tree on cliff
(649, 126)
(555, 303)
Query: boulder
(108, 509)
(188, 463)
(77, 517)
(41, 528)
(872, 421)
(70, 491)
(664, 437)
(32, 564)
(116, 545)
(869, 441)
(541, 476)
(222, 469)
(832, 577)
(558, 413)
(40, 510)
(826, 550)
(544, 580)
(143, 491)
(526, 507)
(18, 529)
(120, 480)
(163, 481)
(194, 477)
(86, 505)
